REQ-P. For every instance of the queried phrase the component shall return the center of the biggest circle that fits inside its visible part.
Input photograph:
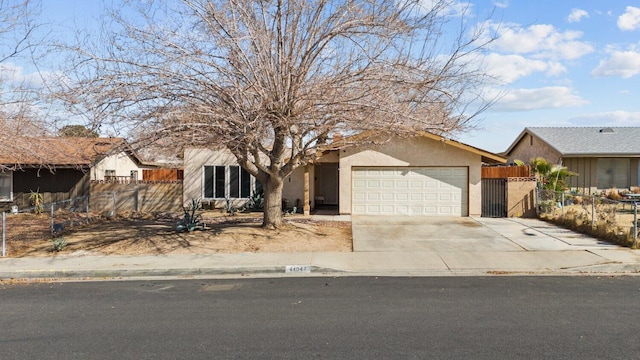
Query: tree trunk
(272, 217)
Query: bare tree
(21, 39)
(275, 80)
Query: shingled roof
(587, 141)
(56, 151)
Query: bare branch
(279, 78)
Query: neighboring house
(422, 175)
(603, 157)
(62, 167)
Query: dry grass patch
(610, 222)
(156, 235)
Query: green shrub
(59, 243)
(191, 220)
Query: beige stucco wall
(194, 162)
(121, 163)
(527, 149)
(293, 189)
(418, 151)
(521, 198)
(196, 159)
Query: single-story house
(62, 167)
(421, 175)
(603, 157)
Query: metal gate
(494, 198)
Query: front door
(326, 189)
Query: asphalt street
(330, 318)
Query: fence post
(51, 228)
(4, 234)
(562, 199)
(137, 199)
(537, 204)
(635, 224)
(593, 210)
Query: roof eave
(601, 155)
(487, 157)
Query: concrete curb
(280, 271)
(183, 272)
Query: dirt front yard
(146, 235)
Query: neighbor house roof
(587, 141)
(79, 152)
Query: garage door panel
(387, 196)
(387, 184)
(373, 196)
(373, 184)
(410, 191)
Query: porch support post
(307, 203)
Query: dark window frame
(228, 182)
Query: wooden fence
(503, 172)
(162, 174)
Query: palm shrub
(191, 219)
(552, 176)
(59, 243)
(255, 202)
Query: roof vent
(606, 130)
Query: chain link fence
(22, 227)
(608, 216)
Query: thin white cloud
(502, 4)
(444, 7)
(630, 20)
(509, 68)
(14, 75)
(551, 97)
(577, 15)
(541, 41)
(616, 118)
(621, 63)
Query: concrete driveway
(468, 234)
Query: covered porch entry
(321, 188)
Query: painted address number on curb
(298, 269)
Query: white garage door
(437, 191)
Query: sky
(562, 63)
(559, 62)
